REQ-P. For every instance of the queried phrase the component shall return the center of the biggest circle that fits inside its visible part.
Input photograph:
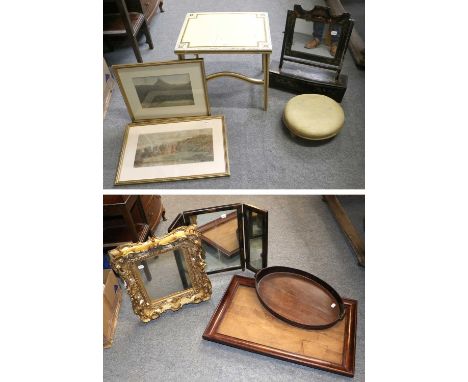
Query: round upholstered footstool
(313, 116)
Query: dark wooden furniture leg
(349, 230)
(136, 49)
(180, 268)
(147, 271)
(147, 33)
(129, 28)
(108, 45)
(161, 6)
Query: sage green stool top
(313, 116)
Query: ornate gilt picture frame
(186, 240)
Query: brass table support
(265, 71)
(266, 79)
(235, 75)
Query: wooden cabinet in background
(130, 218)
(150, 7)
(154, 210)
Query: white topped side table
(228, 32)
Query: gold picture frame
(125, 259)
(162, 150)
(164, 89)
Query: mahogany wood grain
(241, 321)
(298, 299)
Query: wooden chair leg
(136, 49)
(147, 33)
(161, 6)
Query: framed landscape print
(164, 89)
(173, 149)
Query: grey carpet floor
(302, 234)
(262, 154)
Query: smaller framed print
(173, 149)
(166, 89)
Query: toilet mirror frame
(317, 14)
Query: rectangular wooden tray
(241, 321)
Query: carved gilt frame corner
(124, 260)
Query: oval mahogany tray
(298, 298)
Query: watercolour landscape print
(167, 89)
(173, 148)
(164, 91)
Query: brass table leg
(266, 79)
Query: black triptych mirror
(234, 236)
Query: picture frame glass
(164, 89)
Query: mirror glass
(164, 274)
(255, 234)
(316, 37)
(220, 238)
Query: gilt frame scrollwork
(186, 240)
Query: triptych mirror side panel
(256, 237)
